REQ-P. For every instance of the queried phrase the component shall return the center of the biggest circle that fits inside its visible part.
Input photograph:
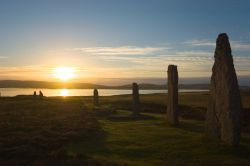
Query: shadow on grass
(213, 146)
(240, 151)
(149, 107)
(123, 118)
(89, 147)
(191, 127)
(103, 112)
(191, 112)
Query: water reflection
(81, 92)
(64, 92)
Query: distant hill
(59, 85)
(44, 84)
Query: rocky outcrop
(136, 99)
(223, 119)
(95, 97)
(172, 105)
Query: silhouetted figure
(172, 105)
(34, 94)
(40, 94)
(136, 99)
(95, 97)
(224, 108)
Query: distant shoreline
(65, 85)
(68, 85)
(82, 92)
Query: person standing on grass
(40, 94)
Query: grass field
(72, 130)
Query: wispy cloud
(124, 50)
(200, 43)
(194, 53)
(240, 45)
(236, 45)
(3, 57)
(22, 69)
(133, 61)
(192, 56)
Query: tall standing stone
(224, 109)
(96, 97)
(136, 99)
(172, 105)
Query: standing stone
(172, 105)
(223, 119)
(136, 99)
(96, 97)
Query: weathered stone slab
(172, 105)
(136, 99)
(223, 120)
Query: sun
(64, 73)
(64, 92)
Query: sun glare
(64, 92)
(64, 73)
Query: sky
(119, 38)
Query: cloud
(3, 57)
(236, 45)
(194, 53)
(185, 56)
(190, 63)
(123, 50)
(200, 43)
(156, 65)
(22, 69)
(133, 61)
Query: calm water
(79, 92)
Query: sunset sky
(119, 38)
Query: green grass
(74, 131)
(151, 141)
